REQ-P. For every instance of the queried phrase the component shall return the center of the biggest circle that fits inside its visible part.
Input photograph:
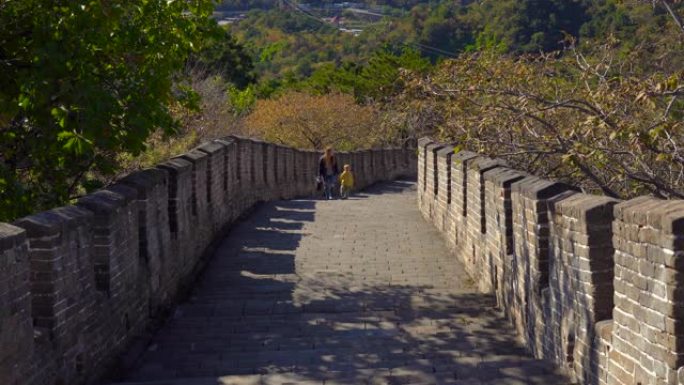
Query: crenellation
(499, 234)
(387, 167)
(259, 187)
(582, 256)
(244, 197)
(231, 201)
(308, 173)
(215, 184)
(643, 277)
(429, 206)
(62, 282)
(154, 237)
(297, 170)
(459, 165)
(422, 167)
(79, 283)
(476, 255)
(16, 324)
(591, 283)
(442, 211)
(377, 167)
(181, 233)
(290, 171)
(281, 160)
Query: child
(346, 181)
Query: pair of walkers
(329, 175)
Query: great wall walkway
(361, 291)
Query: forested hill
(290, 43)
(586, 91)
(235, 5)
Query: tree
(371, 81)
(81, 81)
(223, 55)
(588, 118)
(313, 121)
(528, 25)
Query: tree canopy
(81, 81)
(85, 84)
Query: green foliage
(527, 25)
(241, 5)
(377, 78)
(588, 117)
(222, 55)
(81, 81)
(242, 100)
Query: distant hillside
(243, 5)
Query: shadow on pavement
(254, 319)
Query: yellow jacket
(347, 179)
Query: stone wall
(592, 284)
(79, 284)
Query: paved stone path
(361, 291)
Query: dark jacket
(321, 166)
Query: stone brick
(79, 283)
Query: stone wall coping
(194, 156)
(145, 180)
(11, 236)
(667, 216)
(483, 163)
(434, 147)
(41, 224)
(129, 193)
(211, 147)
(238, 138)
(503, 176)
(424, 141)
(176, 166)
(463, 156)
(74, 216)
(537, 188)
(448, 150)
(226, 141)
(106, 201)
(53, 222)
(627, 209)
(589, 208)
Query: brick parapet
(647, 235)
(79, 283)
(498, 240)
(581, 281)
(15, 303)
(442, 210)
(591, 283)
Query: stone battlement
(591, 283)
(79, 283)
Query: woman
(327, 170)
